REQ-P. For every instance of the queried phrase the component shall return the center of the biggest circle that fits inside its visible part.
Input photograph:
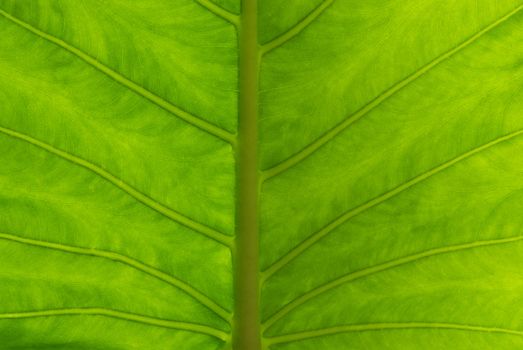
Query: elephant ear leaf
(116, 176)
(391, 135)
(376, 143)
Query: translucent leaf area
(389, 174)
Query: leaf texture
(387, 174)
(393, 178)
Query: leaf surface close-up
(261, 174)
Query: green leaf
(247, 175)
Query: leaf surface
(386, 182)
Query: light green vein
(379, 268)
(387, 326)
(297, 29)
(332, 133)
(151, 271)
(220, 12)
(148, 201)
(147, 320)
(157, 100)
(312, 239)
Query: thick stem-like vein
(140, 90)
(147, 320)
(247, 319)
(312, 239)
(379, 268)
(144, 199)
(151, 271)
(220, 12)
(297, 29)
(332, 133)
(287, 338)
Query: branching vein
(151, 271)
(388, 326)
(220, 12)
(140, 90)
(332, 133)
(379, 268)
(311, 240)
(147, 320)
(297, 29)
(146, 200)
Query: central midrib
(246, 323)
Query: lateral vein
(140, 90)
(131, 317)
(287, 338)
(139, 196)
(332, 133)
(379, 268)
(220, 11)
(133, 263)
(297, 29)
(312, 239)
